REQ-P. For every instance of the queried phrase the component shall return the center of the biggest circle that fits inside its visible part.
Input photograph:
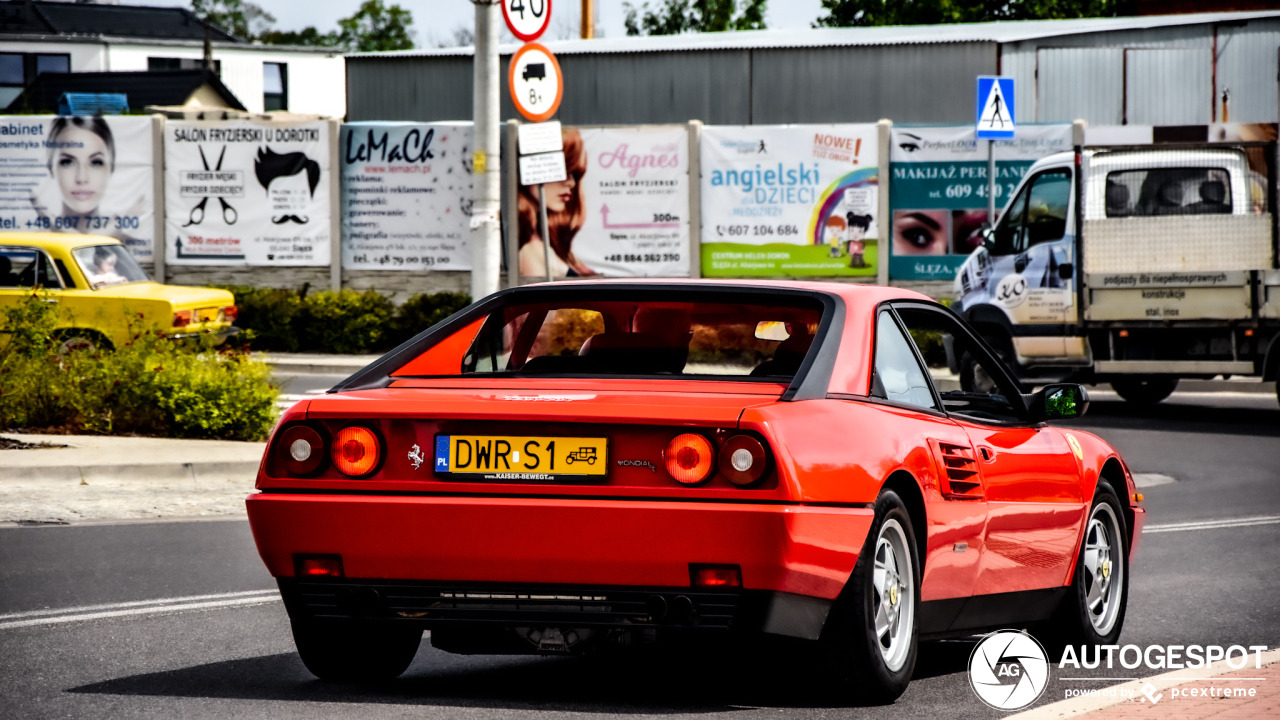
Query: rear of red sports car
(562, 469)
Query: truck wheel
(1145, 390)
(1092, 611)
(870, 641)
(355, 652)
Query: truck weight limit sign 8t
(527, 19)
(535, 82)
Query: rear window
(647, 338)
(1168, 191)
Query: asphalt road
(1192, 586)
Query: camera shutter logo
(1008, 670)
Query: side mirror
(988, 237)
(1063, 401)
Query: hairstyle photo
(562, 225)
(95, 125)
(271, 165)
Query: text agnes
(1173, 657)
(665, 156)
(414, 148)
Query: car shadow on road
(687, 684)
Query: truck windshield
(648, 337)
(1151, 192)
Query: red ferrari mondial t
(579, 467)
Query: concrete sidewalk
(102, 477)
(315, 363)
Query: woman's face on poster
(559, 194)
(82, 168)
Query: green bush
(347, 321)
(148, 386)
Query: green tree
(864, 13)
(678, 16)
(308, 36)
(376, 27)
(245, 20)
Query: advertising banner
(406, 196)
(789, 200)
(622, 212)
(90, 175)
(938, 191)
(240, 192)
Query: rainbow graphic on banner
(832, 197)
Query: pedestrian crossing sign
(995, 108)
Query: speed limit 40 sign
(527, 19)
(535, 81)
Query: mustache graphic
(289, 218)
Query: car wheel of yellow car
(354, 651)
(81, 341)
(871, 638)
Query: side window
(898, 375)
(980, 390)
(1008, 233)
(18, 267)
(1047, 207)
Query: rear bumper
(487, 542)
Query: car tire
(1145, 390)
(870, 641)
(70, 341)
(1093, 609)
(355, 652)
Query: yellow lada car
(101, 293)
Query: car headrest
(797, 344)
(633, 353)
(1213, 191)
(1171, 193)
(1117, 196)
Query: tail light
(742, 460)
(317, 565)
(300, 450)
(715, 575)
(356, 451)
(689, 458)
(182, 318)
(229, 313)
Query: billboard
(622, 212)
(938, 191)
(243, 192)
(789, 200)
(406, 196)
(90, 175)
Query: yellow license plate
(503, 457)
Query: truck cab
(1135, 266)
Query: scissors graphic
(229, 214)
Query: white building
(68, 37)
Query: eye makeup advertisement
(247, 193)
(90, 175)
(938, 191)
(789, 201)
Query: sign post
(995, 122)
(542, 161)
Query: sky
(436, 20)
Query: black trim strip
(537, 496)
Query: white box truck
(1133, 266)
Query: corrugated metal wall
(910, 83)
(1168, 86)
(1074, 84)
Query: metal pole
(486, 255)
(542, 231)
(588, 19)
(991, 182)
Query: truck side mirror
(988, 237)
(1066, 270)
(1062, 401)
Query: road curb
(1077, 706)
(314, 368)
(197, 474)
